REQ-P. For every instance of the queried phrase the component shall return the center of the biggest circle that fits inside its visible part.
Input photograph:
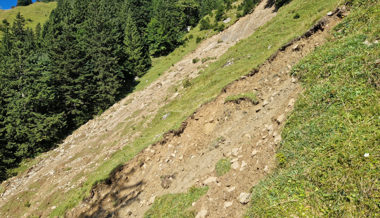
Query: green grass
(247, 54)
(175, 205)
(222, 167)
(251, 97)
(323, 169)
(35, 13)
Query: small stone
(235, 165)
(366, 155)
(330, 13)
(294, 80)
(227, 204)
(165, 116)
(151, 200)
(254, 152)
(231, 189)
(247, 135)
(280, 119)
(296, 48)
(193, 204)
(53, 207)
(243, 165)
(277, 139)
(244, 197)
(366, 42)
(234, 160)
(235, 152)
(209, 180)
(291, 102)
(377, 62)
(266, 168)
(202, 214)
(173, 154)
(265, 103)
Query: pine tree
(24, 2)
(136, 49)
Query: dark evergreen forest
(81, 61)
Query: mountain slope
(35, 13)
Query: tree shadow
(276, 3)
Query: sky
(7, 4)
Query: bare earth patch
(251, 134)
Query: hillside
(35, 13)
(275, 116)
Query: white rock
(254, 152)
(227, 20)
(294, 80)
(366, 155)
(291, 102)
(266, 169)
(151, 200)
(280, 119)
(265, 103)
(227, 204)
(235, 152)
(231, 189)
(330, 13)
(243, 165)
(202, 214)
(209, 180)
(235, 165)
(244, 198)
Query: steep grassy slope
(329, 158)
(245, 56)
(35, 13)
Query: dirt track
(66, 167)
(246, 133)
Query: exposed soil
(245, 133)
(66, 167)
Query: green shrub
(222, 167)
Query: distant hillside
(35, 13)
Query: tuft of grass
(248, 54)
(222, 167)
(195, 60)
(175, 205)
(251, 97)
(328, 162)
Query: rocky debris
(294, 80)
(280, 119)
(228, 204)
(209, 180)
(330, 13)
(244, 197)
(202, 214)
(167, 180)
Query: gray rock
(235, 165)
(330, 13)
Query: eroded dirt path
(245, 133)
(66, 167)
